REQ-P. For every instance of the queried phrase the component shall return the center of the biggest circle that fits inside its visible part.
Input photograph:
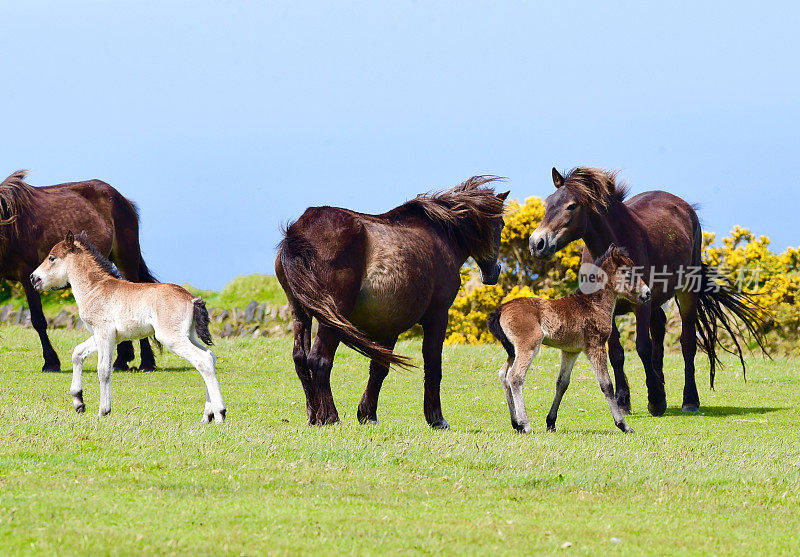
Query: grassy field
(151, 478)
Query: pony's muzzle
(36, 282)
(492, 276)
(645, 295)
(541, 246)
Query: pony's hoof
(690, 408)
(102, 413)
(121, 367)
(624, 403)
(657, 408)
(527, 429)
(366, 419)
(81, 408)
(149, 366)
(629, 431)
(440, 424)
(51, 367)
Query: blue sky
(223, 120)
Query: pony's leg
(81, 352)
(368, 408)
(658, 329)
(567, 363)
(598, 357)
(105, 349)
(688, 308)
(302, 346)
(39, 323)
(516, 380)
(503, 374)
(434, 331)
(124, 355)
(656, 397)
(205, 361)
(616, 353)
(320, 362)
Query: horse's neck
(83, 279)
(605, 228)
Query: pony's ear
(503, 195)
(558, 179)
(615, 253)
(70, 241)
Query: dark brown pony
(663, 236)
(368, 278)
(34, 219)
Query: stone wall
(254, 320)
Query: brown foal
(580, 322)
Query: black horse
(368, 278)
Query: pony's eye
(572, 206)
(52, 258)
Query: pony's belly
(384, 314)
(133, 330)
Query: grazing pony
(115, 310)
(580, 322)
(662, 234)
(33, 220)
(368, 278)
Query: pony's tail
(301, 268)
(720, 302)
(497, 330)
(145, 275)
(201, 321)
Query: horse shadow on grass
(723, 411)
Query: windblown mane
(105, 264)
(466, 211)
(595, 188)
(15, 201)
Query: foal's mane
(603, 258)
(465, 211)
(102, 261)
(16, 198)
(595, 188)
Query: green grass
(150, 478)
(241, 290)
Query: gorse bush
(743, 258)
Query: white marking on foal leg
(503, 374)
(105, 351)
(516, 379)
(79, 355)
(205, 361)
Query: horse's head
(624, 277)
(52, 274)
(487, 263)
(564, 220)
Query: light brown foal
(580, 322)
(115, 310)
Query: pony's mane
(102, 261)
(595, 188)
(16, 197)
(465, 211)
(603, 258)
